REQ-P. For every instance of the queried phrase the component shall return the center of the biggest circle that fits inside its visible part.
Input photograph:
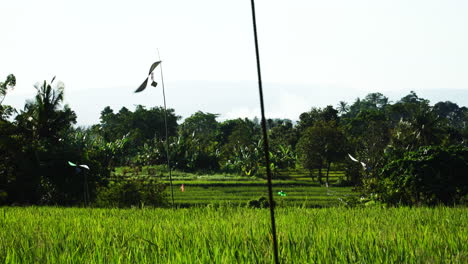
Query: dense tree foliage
(139, 126)
(321, 145)
(36, 148)
(404, 146)
(428, 176)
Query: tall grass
(233, 235)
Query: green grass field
(233, 235)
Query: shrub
(3, 197)
(342, 182)
(126, 193)
(428, 176)
(262, 202)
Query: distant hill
(229, 99)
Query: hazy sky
(313, 53)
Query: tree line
(376, 142)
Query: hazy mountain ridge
(229, 99)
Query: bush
(262, 202)
(342, 182)
(127, 193)
(428, 176)
(3, 197)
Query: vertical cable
(265, 140)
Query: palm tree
(45, 115)
(343, 107)
(10, 82)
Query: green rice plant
(227, 234)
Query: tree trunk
(311, 174)
(320, 175)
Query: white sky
(313, 53)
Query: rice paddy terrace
(221, 189)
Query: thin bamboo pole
(167, 133)
(265, 140)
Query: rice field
(223, 193)
(225, 189)
(233, 235)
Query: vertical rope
(167, 134)
(265, 140)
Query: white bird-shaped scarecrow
(78, 166)
(364, 166)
